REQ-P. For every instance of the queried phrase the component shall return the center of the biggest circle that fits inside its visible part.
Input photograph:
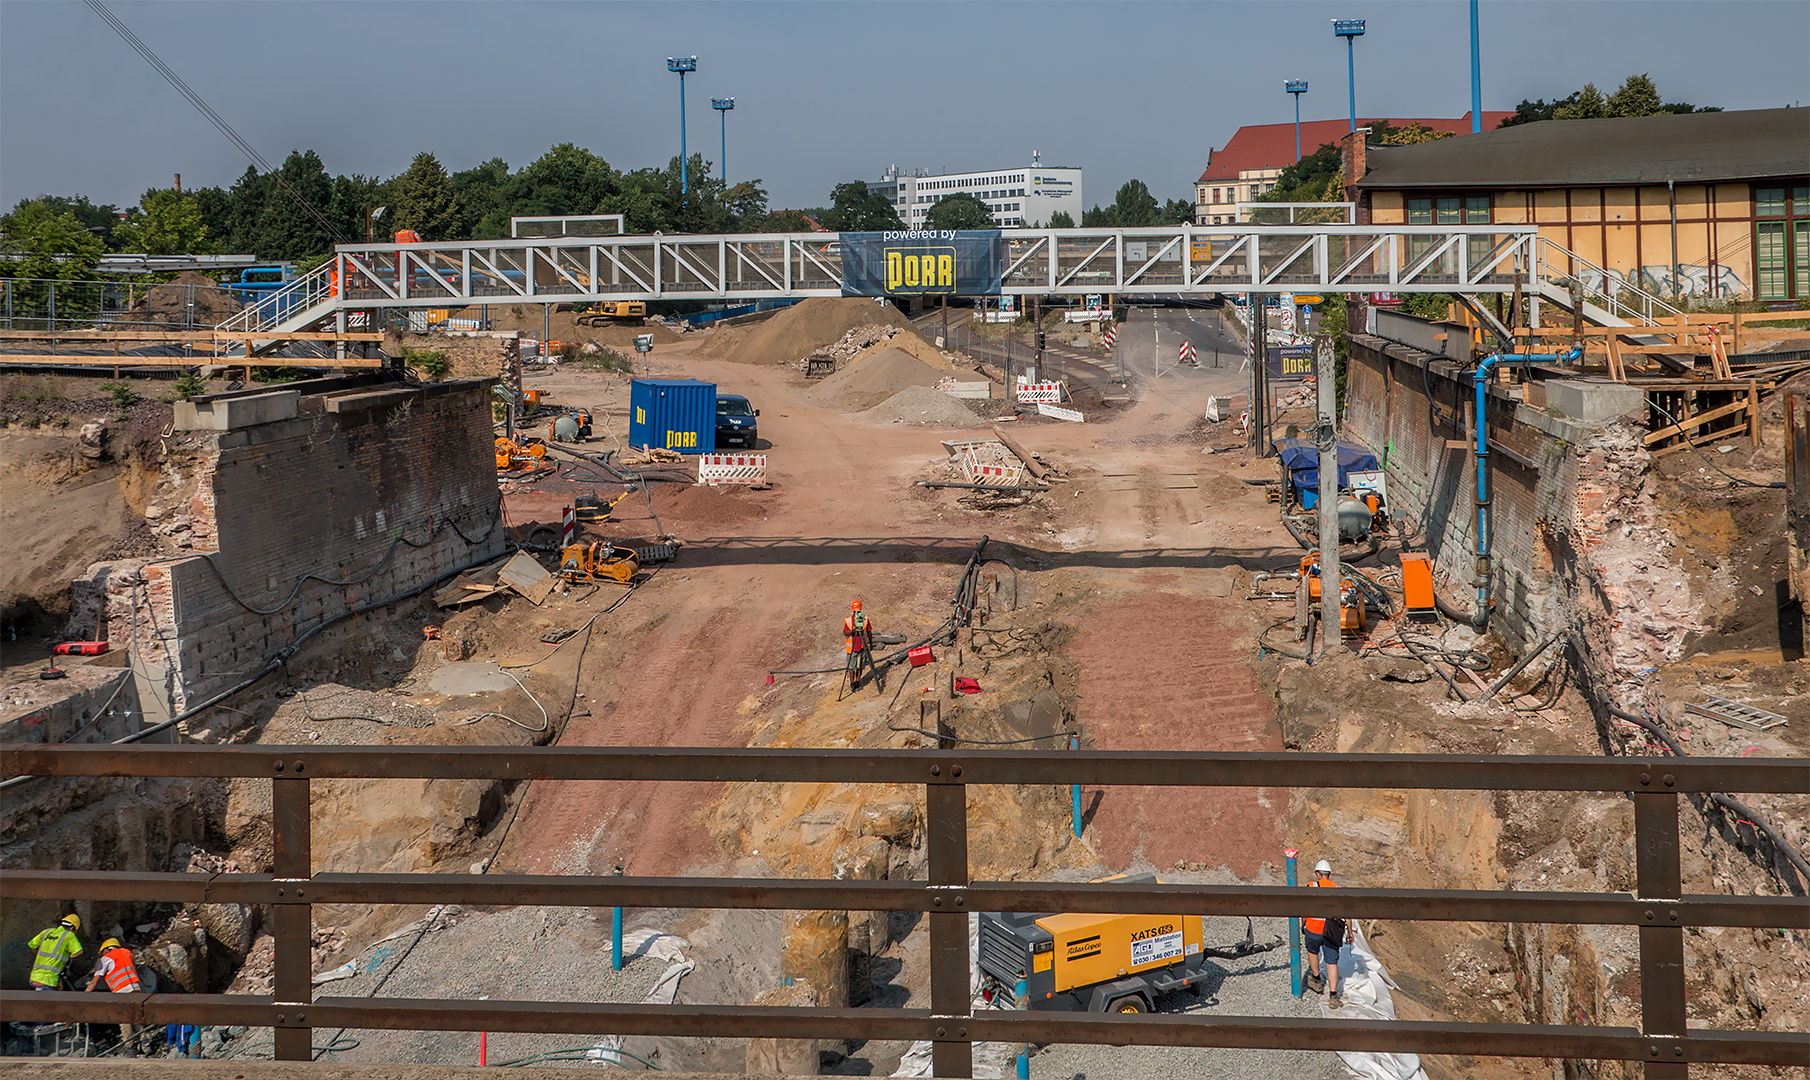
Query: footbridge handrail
(1562, 266)
(1656, 904)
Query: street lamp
(682, 64)
(722, 105)
(1350, 30)
(1297, 87)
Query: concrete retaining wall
(368, 493)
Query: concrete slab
(469, 677)
(1594, 401)
(228, 414)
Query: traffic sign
(1309, 299)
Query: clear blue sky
(825, 92)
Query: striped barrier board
(568, 526)
(1186, 353)
(1036, 392)
(1002, 475)
(717, 469)
(1057, 412)
(1109, 337)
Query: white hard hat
(1322, 867)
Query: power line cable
(211, 116)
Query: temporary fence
(718, 469)
(1032, 393)
(1665, 1042)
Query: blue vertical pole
(1074, 790)
(616, 932)
(1351, 81)
(1023, 991)
(684, 183)
(1297, 98)
(1476, 76)
(1294, 933)
(723, 155)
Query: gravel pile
(523, 954)
(923, 405)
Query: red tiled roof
(1272, 146)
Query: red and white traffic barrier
(1186, 353)
(568, 526)
(1111, 335)
(1003, 475)
(1039, 392)
(715, 469)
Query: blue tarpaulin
(1302, 460)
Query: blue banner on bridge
(923, 262)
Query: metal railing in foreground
(1657, 907)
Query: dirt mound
(871, 379)
(170, 303)
(922, 405)
(798, 331)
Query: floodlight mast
(1350, 30)
(722, 105)
(682, 64)
(1297, 87)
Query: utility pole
(1295, 88)
(1327, 443)
(722, 105)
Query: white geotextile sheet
(1364, 989)
(660, 946)
(991, 1060)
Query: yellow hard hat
(73, 921)
(110, 943)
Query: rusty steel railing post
(292, 831)
(946, 830)
(1658, 878)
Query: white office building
(1017, 198)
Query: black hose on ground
(1727, 802)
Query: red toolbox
(920, 656)
(82, 648)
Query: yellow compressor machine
(1099, 963)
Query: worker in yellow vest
(121, 974)
(56, 946)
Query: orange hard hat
(856, 606)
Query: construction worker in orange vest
(121, 974)
(1320, 944)
(859, 632)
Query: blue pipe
(1476, 76)
(1074, 792)
(1479, 384)
(1294, 934)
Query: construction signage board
(1290, 363)
(1057, 412)
(923, 262)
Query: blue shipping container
(676, 414)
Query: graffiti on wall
(1693, 280)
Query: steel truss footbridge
(1171, 260)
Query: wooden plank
(1753, 412)
(92, 360)
(1658, 382)
(178, 336)
(1695, 421)
(1699, 440)
(1616, 371)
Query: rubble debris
(855, 341)
(785, 1057)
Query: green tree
(783, 221)
(215, 205)
(1586, 104)
(1061, 220)
(853, 208)
(1134, 207)
(291, 224)
(1177, 212)
(38, 241)
(355, 194)
(170, 223)
(245, 216)
(959, 211)
(422, 199)
(567, 179)
(477, 192)
(1637, 97)
(1415, 132)
(1098, 218)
